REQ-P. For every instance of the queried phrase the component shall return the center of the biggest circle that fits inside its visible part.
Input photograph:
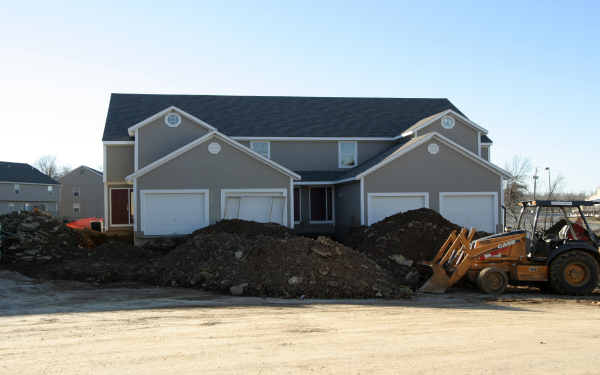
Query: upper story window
(75, 193)
(448, 122)
(172, 120)
(50, 189)
(261, 147)
(17, 188)
(347, 154)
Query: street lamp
(535, 178)
(549, 185)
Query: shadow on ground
(20, 295)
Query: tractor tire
(574, 273)
(492, 280)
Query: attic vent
(433, 148)
(447, 122)
(172, 120)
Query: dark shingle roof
(278, 116)
(21, 172)
(485, 139)
(311, 176)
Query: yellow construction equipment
(567, 261)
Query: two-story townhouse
(24, 188)
(175, 163)
(81, 194)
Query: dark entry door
(119, 206)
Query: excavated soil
(287, 266)
(400, 242)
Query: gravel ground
(74, 328)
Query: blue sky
(527, 71)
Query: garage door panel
(385, 205)
(470, 210)
(167, 213)
(259, 207)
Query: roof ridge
(282, 96)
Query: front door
(119, 206)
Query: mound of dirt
(398, 243)
(277, 266)
(247, 228)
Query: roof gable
(131, 130)
(433, 118)
(23, 173)
(277, 116)
(157, 163)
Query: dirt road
(69, 328)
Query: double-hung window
(261, 147)
(347, 154)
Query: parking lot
(75, 328)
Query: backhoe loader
(564, 258)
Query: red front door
(119, 206)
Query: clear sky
(529, 72)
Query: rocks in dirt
(399, 241)
(32, 237)
(279, 265)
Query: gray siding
(318, 155)
(91, 194)
(119, 162)
(485, 152)
(420, 171)
(199, 169)
(461, 133)
(34, 194)
(157, 139)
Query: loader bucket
(450, 263)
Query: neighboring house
(22, 187)
(175, 163)
(81, 194)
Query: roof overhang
(425, 138)
(413, 129)
(131, 130)
(157, 163)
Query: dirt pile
(400, 242)
(279, 265)
(37, 238)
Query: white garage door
(260, 206)
(166, 212)
(382, 205)
(476, 210)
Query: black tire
(574, 273)
(492, 280)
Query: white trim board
(425, 195)
(308, 139)
(413, 129)
(157, 163)
(299, 204)
(145, 192)
(472, 193)
(131, 130)
(414, 143)
(257, 192)
(117, 143)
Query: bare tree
(516, 187)
(556, 186)
(47, 165)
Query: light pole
(535, 178)
(549, 185)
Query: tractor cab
(554, 225)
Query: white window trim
(110, 205)
(144, 193)
(256, 192)
(299, 204)
(477, 193)
(326, 206)
(371, 195)
(16, 188)
(340, 154)
(78, 207)
(268, 147)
